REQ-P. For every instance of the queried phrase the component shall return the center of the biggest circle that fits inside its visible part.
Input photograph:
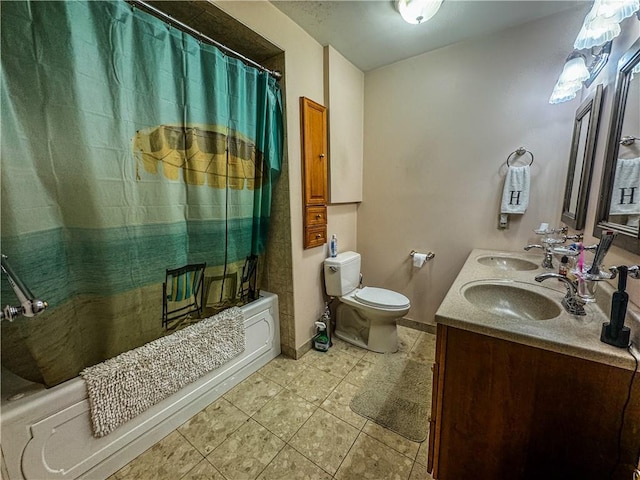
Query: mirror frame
(627, 238)
(576, 219)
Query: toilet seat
(381, 298)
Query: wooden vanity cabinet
(502, 410)
(315, 171)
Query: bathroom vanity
(522, 389)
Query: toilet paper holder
(429, 255)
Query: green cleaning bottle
(321, 339)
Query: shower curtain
(127, 148)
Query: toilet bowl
(366, 317)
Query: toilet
(366, 316)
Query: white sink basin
(502, 262)
(507, 300)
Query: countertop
(577, 336)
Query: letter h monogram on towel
(515, 196)
(625, 199)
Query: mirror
(619, 203)
(583, 147)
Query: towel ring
(519, 152)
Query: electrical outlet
(503, 221)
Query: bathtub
(46, 433)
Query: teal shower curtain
(128, 147)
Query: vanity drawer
(316, 216)
(315, 236)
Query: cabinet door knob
(318, 235)
(318, 216)
(322, 155)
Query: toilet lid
(379, 297)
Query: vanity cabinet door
(506, 410)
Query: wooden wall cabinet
(313, 117)
(505, 410)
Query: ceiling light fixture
(601, 25)
(576, 73)
(418, 11)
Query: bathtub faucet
(29, 305)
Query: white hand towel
(625, 197)
(515, 196)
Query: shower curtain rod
(200, 36)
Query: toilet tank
(342, 273)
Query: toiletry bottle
(333, 245)
(564, 262)
(321, 339)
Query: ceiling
(371, 33)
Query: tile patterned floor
(291, 421)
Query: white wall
(438, 129)
(304, 67)
(344, 97)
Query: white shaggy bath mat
(125, 386)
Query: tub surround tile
(392, 439)
(253, 393)
(332, 361)
(338, 404)
(370, 459)
(314, 385)
(285, 414)
(291, 465)
(325, 440)
(171, 457)
(213, 425)
(246, 452)
(203, 471)
(283, 370)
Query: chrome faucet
(571, 302)
(547, 262)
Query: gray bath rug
(125, 386)
(397, 395)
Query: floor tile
(424, 350)
(392, 439)
(346, 347)
(325, 440)
(370, 459)
(285, 414)
(213, 425)
(314, 385)
(407, 338)
(423, 451)
(419, 472)
(246, 452)
(171, 457)
(359, 373)
(283, 370)
(291, 465)
(203, 471)
(338, 404)
(333, 361)
(253, 393)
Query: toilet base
(378, 335)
